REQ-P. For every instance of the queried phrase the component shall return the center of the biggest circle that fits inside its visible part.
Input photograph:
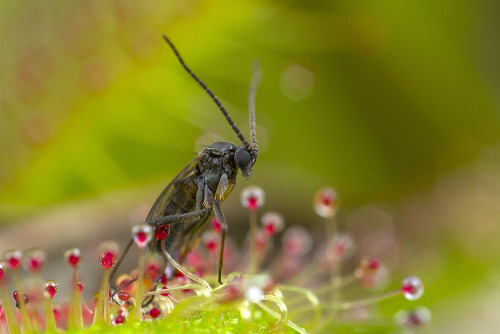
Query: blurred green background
(393, 103)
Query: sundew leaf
(225, 322)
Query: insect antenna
(209, 92)
(254, 83)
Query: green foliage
(224, 322)
(395, 98)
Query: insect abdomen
(182, 200)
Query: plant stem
(105, 297)
(9, 313)
(252, 268)
(25, 319)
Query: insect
(196, 193)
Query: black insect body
(205, 182)
(195, 195)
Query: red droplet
(16, 297)
(415, 320)
(270, 229)
(328, 197)
(119, 319)
(211, 245)
(35, 265)
(162, 232)
(408, 288)
(252, 197)
(34, 259)
(123, 296)
(412, 288)
(51, 288)
(108, 260)
(216, 225)
(369, 270)
(153, 269)
(14, 262)
(163, 279)
(165, 294)
(51, 291)
(142, 236)
(252, 203)
(154, 312)
(325, 202)
(272, 222)
(1, 271)
(339, 249)
(79, 287)
(374, 264)
(180, 278)
(211, 240)
(73, 259)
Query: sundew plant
(393, 103)
(279, 279)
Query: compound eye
(242, 157)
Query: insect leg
(222, 187)
(199, 193)
(172, 219)
(223, 224)
(209, 197)
(120, 260)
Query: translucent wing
(183, 179)
(177, 198)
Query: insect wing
(159, 209)
(177, 198)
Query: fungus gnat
(189, 201)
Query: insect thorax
(216, 160)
